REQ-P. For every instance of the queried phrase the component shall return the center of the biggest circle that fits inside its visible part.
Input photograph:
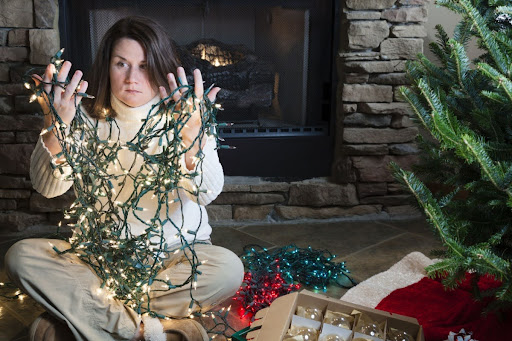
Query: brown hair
(161, 58)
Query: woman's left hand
(191, 130)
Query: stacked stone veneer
(373, 126)
(28, 38)
(373, 123)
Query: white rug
(407, 271)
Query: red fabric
(440, 310)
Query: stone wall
(28, 38)
(373, 125)
(251, 198)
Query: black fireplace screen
(272, 59)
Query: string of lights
(270, 274)
(9, 287)
(128, 263)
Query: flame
(215, 61)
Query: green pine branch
(467, 110)
(485, 35)
(504, 9)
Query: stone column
(28, 38)
(373, 123)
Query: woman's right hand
(64, 98)
(65, 101)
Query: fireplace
(274, 61)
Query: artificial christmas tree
(467, 108)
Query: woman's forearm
(52, 143)
(49, 139)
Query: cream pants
(68, 288)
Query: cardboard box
(276, 319)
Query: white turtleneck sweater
(188, 215)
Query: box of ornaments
(309, 316)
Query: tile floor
(368, 247)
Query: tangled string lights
(128, 263)
(274, 273)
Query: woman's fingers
(182, 78)
(37, 79)
(47, 77)
(40, 99)
(212, 95)
(163, 93)
(198, 84)
(64, 71)
(72, 86)
(82, 87)
(173, 85)
(64, 96)
(61, 77)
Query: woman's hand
(63, 96)
(65, 99)
(193, 126)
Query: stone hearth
(372, 123)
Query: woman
(134, 69)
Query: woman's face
(129, 78)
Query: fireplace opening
(274, 61)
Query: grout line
(17, 316)
(263, 240)
(237, 228)
(252, 236)
(431, 237)
(373, 245)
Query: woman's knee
(14, 258)
(21, 257)
(237, 270)
(230, 272)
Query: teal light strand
(270, 274)
(311, 267)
